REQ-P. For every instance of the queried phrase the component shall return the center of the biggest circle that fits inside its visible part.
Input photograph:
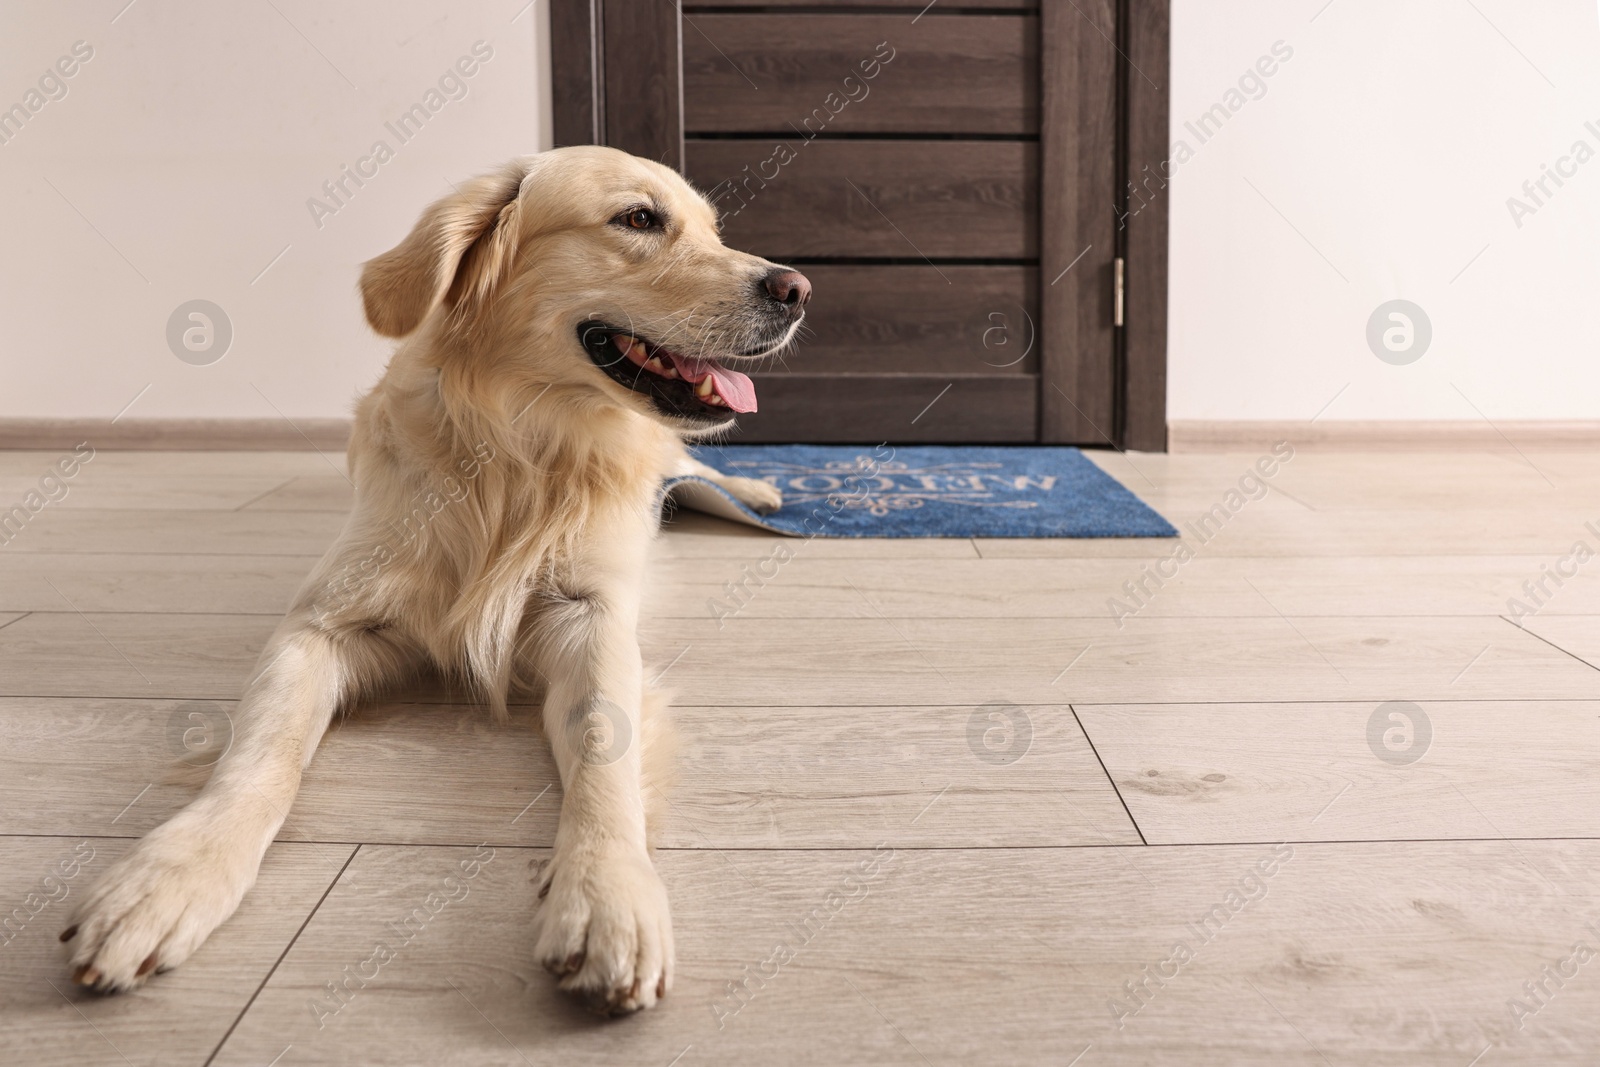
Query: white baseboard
(332, 435)
(179, 435)
(1331, 435)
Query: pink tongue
(737, 389)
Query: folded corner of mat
(923, 491)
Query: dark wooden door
(954, 180)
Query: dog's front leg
(753, 493)
(159, 902)
(604, 925)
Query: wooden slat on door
(902, 199)
(912, 8)
(868, 408)
(804, 74)
(921, 320)
(1078, 404)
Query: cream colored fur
(506, 495)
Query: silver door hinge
(1119, 288)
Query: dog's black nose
(788, 287)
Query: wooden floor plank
(171, 480)
(199, 656)
(1367, 482)
(126, 464)
(1395, 955)
(1547, 532)
(691, 535)
(1271, 772)
(746, 777)
(893, 662)
(46, 1021)
(193, 532)
(125, 582)
(1090, 660)
(810, 587)
(1577, 635)
(186, 463)
(805, 585)
(311, 492)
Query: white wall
(182, 157)
(1391, 140)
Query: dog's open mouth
(682, 386)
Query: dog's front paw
(755, 494)
(153, 907)
(605, 929)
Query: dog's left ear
(455, 254)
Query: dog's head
(597, 269)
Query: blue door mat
(924, 491)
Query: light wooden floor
(1056, 801)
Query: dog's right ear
(458, 249)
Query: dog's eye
(640, 219)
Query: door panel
(869, 408)
(1079, 215)
(1147, 109)
(640, 69)
(787, 74)
(911, 6)
(921, 320)
(910, 199)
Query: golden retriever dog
(568, 321)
